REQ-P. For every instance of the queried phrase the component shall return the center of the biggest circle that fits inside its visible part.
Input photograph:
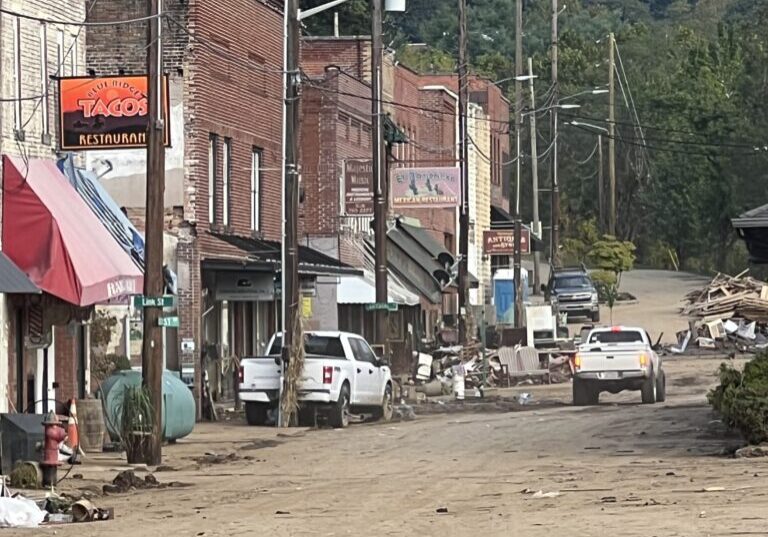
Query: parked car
(570, 290)
(341, 374)
(615, 359)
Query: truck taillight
(327, 375)
(577, 361)
(643, 360)
(241, 375)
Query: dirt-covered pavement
(620, 469)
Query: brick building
(31, 53)
(224, 169)
(336, 128)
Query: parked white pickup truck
(614, 359)
(341, 373)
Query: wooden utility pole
(518, 132)
(379, 178)
(611, 136)
(535, 179)
(555, 223)
(152, 344)
(600, 184)
(290, 252)
(464, 166)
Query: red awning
(53, 236)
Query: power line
(645, 126)
(64, 58)
(403, 105)
(220, 49)
(753, 146)
(77, 23)
(592, 154)
(664, 149)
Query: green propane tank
(178, 403)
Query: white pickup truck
(614, 359)
(341, 373)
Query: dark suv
(572, 291)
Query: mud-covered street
(618, 469)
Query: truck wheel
(593, 395)
(595, 316)
(307, 416)
(339, 417)
(385, 411)
(661, 387)
(581, 393)
(648, 391)
(256, 413)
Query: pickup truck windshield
(570, 282)
(317, 345)
(629, 336)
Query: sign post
(141, 301)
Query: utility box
(21, 436)
(504, 294)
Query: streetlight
(588, 125)
(290, 198)
(566, 106)
(594, 91)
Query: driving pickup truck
(615, 359)
(341, 374)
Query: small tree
(612, 257)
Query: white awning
(362, 290)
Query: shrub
(604, 280)
(742, 398)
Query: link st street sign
(141, 301)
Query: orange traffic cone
(73, 439)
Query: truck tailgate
(612, 358)
(260, 374)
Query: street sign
(379, 306)
(141, 301)
(168, 322)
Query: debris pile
(127, 481)
(730, 312)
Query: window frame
(17, 109)
(213, 143)
(45, 125)
(226, 182)
(256, 156)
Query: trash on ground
(20, 513)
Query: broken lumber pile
(726, 297)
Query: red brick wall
(350, 54)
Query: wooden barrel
(90, 418)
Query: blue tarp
(104, 207)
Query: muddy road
(619, 469)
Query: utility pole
(535, 178)
(379, 180)
(152, 344)
(555, 237)
(600, 184)
(464, 164)
(518, 128)
(290, 251)
(611, 136)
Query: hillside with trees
(691, 121)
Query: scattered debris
(20, 513)
(750, 452)
(441, 510)
(127, 480)
(217, 458)
(729, 312)
(542, 494)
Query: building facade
(32, 54)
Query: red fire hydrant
(54, 434)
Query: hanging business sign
(107, 113)
(358, 188)
(502, 242)
(431, 188)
